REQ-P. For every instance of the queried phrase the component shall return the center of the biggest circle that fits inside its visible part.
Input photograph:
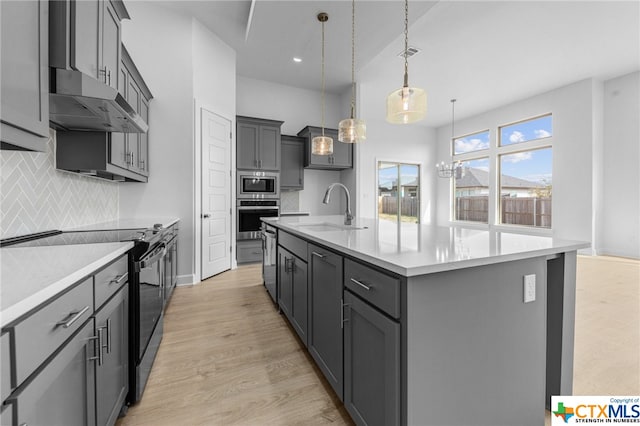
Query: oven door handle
(258, 208)
(151, 258)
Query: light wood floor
(228, 358)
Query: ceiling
(485, 54)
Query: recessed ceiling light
(298, 60)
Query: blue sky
(386, 176)
(535, 166)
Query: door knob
(206, 216)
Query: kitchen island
(426, 325)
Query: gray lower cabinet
(325, 314)
(24, 75)
(69, 364)
(292, 163)
(342, 157)
(63, 393)
(293, 293)
(371, 364)
(248, 251)
(112, 372)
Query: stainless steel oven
(258, 185)
(249, 214)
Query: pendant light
(407, 104)
(322, 145)
(352, 130)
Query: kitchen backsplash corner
(289, 201)
(36, 197)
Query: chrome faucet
(348, 217)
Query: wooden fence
(531, 211)
(389, 205)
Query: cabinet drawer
(381, 290)
(295, 245)
(45, 330)
(5, 365)
(110, 279)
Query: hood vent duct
(80, 102)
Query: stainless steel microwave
(258, 185)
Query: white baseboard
(189, 279)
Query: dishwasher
(269, 260)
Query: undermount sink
(326, 227)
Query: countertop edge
(13, 313)
(125, 223)
(437, 267)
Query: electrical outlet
(529, 288)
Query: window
(529, 130)
(523, 159)
(474, 142)
(471, 191)
(398, 192)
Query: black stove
(144, 237)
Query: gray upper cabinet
(114, 156)
(342, 157)
(24, 75)
(325, 314)
(292, 163)
(258, 143)
(85, 36)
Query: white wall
(620, 233)
(391, 142)
(214, 89)
(574, 115)
(297, 108)
(179, 61)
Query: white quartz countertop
(411, 249)
(127, 223)
(31, 275)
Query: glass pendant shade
(322, 145)
(406, 105)
(352, 130)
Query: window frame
(398, 163)
(494, 154)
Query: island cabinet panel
(293, 294)
(325, 314)
(5, 364)
(470, 334)
(371, 364)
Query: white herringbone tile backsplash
(35, 197)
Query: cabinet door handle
(132, 161)
(73, 317)
(343, 319)
(108, 346)
(103, 73)
(118, 279)
(315, 253)
(109, 75)
(142, 162)
(98, 351)
(361, 284)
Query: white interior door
(216, 193)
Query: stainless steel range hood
(80, 102)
